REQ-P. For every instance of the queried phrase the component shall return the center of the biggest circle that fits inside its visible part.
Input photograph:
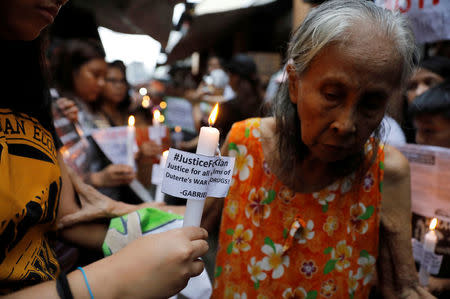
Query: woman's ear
(293, 82)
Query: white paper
(194, 176)
(430, 177)
(113, 143)
(156, 174)
(430, 19)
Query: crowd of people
(320, 202)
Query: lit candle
(208, 141)
(145, 102)
(156, 127)
(159, 196)
(131, 131)
(430, 241)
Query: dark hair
(24, 84)
(437, 64)
(69, 58)
(124, 105)
(436, 100)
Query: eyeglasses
(116, 81)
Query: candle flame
(161, 118)
(178, 129)
(165, 154)
(213, 115)
(433, 224)
(131, 120)
(163, 105)
(156, 114)
(145, 102)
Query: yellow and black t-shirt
(30, 185)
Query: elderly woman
(316, 199)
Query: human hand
(149, 150)
(113, 175)
(416, 292)
(160, 265)
(94, 205)
(68, 108)
(438, 285)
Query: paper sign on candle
(194, 176)
(431, 261)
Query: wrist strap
(62, 287)
(86, 281)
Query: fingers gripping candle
(130, 140)
(208, 141)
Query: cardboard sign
(194, 176)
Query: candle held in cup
(208, 141)
(159, 196)
(430, 241)
(131, 132)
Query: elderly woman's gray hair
(333, 22)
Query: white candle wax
(131, 132)
(208, 141)
(159, 196)
(156, 127)
(429, 245)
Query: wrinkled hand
(417, 292)
(148, 150)
(68, 108)
(438, 285)
(162, 263)
(113, 175)
(94, 205)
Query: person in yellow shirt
(36, 190)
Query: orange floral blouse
(275, 243)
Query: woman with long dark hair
(36, 190)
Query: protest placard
(430, 19)
(194, 176)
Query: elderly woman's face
(342, 97)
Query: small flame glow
(145, 103)
(156, 114)
(178, 129)
(161, 118)
(165, 154)
(213, 115)
(131, 120)
(163, 105)
(433, 224)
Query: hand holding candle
(430, 241)
(208, 142)
(131, 133)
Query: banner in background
(430, 19)
(430, 177)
